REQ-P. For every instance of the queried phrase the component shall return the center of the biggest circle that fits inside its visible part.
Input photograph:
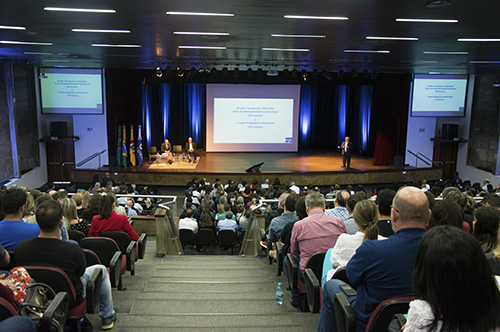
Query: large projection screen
(252, 118)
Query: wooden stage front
(304, 168)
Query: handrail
(418, 157)
(429, 159)
(97, 154)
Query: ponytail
(371, 231)
(106, 207)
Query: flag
(119, 147)
(124, 147)
(139, 145)
(132, 146)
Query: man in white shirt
(188, 222)
(227, 223)
(294, 188)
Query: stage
(304, 168)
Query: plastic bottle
(279, 294)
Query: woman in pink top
(109, 220)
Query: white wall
(93, 135)
(420, 130)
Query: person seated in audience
(109, 220)
(317, 232)
(340, 209)
(131, 212)
(116, 207)
(93, 207)
(78, 198)
(366, 216)
(485, 227)
(227, 223)
(277, 224)
(12, 228)
(384, 201)
(206, 221)
(273, 213)
(454, 194)
(243, 222)
(350, 225)
(494, 257)
(188, 222)
(286, 233)
(381, 269)
(454, 285)
(71, 219)
(492, 200)
(448, 212)
(48, 250)
(29, 209)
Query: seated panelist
(166, 146)
(191, 149)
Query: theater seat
(127, 247)
(187, 237)
(280, 257)
(75, 235)
(58, 280)
(110, 256)
(227, 238)
(380, 318)
(206, 236)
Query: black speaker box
(449, 131)
(59, 129)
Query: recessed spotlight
(115, 45)
(203, 47)
(391, 38)
(297, 36)
(286, 49)
(367, 51)
(446, 52)
(478, 39)
(159, 73)
(15, 42)
(201, 33)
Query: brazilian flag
(119, 147)
(124, 147)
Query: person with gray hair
(340, 209)
(316, 232)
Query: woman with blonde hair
(365, 215)
(70, 216)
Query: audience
(485, 227)
(447, 260)
(447, 212)
(340, 209)
(382, 269)
(277, 224)
(384, 201)
(70, 216)
(188, 222)
(227, 223)
(109, 220)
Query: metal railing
(92, 157)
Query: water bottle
(279, 294)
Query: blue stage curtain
(165, 90)
(365, 110)
(341, 92)
(146, 112)
(307, 108)
(194, 94)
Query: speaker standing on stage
(191, 149)
(346, 152)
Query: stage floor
(304, 167)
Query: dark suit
(346, 154)
(191, 154)
(166, 148)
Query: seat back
(206, 236)
(186, 236)
(315, 263)
(121, 238)
(56, 278)
(75, 235)
(384, 312)
(177, 149)
(7, 309)
(341, 274)
(227, 237)
(152, 150)
(12, 262)
(104, 247)
(345, 318)
(91, 257)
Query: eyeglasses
(392, 207)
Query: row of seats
(206, 236)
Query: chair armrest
(143, 239)
(130, 254)
(93, 291)
(263, 236)
(279, 257)
(313, 290)
(294, 271)
(344, 314)
(56, 311)
(115, 266)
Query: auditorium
(208, 129)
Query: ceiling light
(426, 20)
(80, 10)
(159, 73)
(286, 49)
(97, 30)
(37, 53)
(392, 38)
(478, 39)
(297, 36)
(14, 42)
(199, 14)
(114, 45)
(438, 4)
(446, 53)
(51, 60)
(483, 62)
(204, 47)
(338, 18)
(9, 27)
(179, 71)
(367, 51)
(201, 33)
